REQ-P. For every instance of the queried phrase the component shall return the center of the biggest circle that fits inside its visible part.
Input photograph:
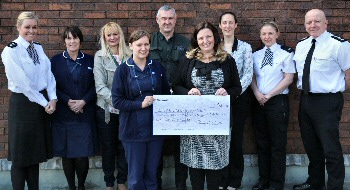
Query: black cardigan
(182, 83)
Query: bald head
(315, 22)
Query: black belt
(319, 94)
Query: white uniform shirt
(269, 77)
(244, 61)
(24, 76)
(330, 59)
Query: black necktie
(306, 71)
(268, 58)
(33, 54)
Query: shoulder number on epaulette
(287, 49)
(339, 38)
(304, 39)
(12, 44)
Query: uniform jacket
(66, 89)
(131, 113)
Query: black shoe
(261, 186)
(306, 186)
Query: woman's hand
(194, 91)
(76, 105)
(50, 107)
(148, 101)
(261, 98)
(221, 92)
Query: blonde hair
(272, 24)
(26, 15)
(122, 48)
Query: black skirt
(29, 132)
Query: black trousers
(233, 173)
(111, 146)
(270, 124)
(29, 174)
(319, 116)
(199, 176)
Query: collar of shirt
(130, 62)
(23, 42)
(67, 56)
(273, 48)
(323, 37)
(161, 37)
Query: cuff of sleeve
(52, 96)
(43, 102)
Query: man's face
(315, 22)
(166, 21)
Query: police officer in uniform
(168, 48)
(273, 73)
(323, 63)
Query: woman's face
(205, 40)
(28, 29)
(228, 25)
(112, 38)
(72, 43)
(140, 48)
(268, 35)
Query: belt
(319, 94)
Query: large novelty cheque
(191, 115)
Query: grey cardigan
(104, 69)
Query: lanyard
(113, 58)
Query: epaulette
(287, 49)
(260, 48)
(12, 44)
(339, 38)
(37, 43)
(304, 39)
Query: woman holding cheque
(206, 70)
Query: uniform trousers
(319, 116)
(270, 124)
(111, 147)
(233, 173)
(143, 160)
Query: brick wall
(90, 15)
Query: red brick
(94, 15)
(128, 6)
(36, 6)
(60, 6)
(140, 14)
(106, 7)
(220, 6)
(118, 14)
(83, 6)
(71, 14)
(12, 6)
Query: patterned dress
(206, 151)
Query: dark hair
(201, 26)
(138, 34)
(229, 13)
(75, 31)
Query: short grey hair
(165, 8)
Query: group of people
(59, 107)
